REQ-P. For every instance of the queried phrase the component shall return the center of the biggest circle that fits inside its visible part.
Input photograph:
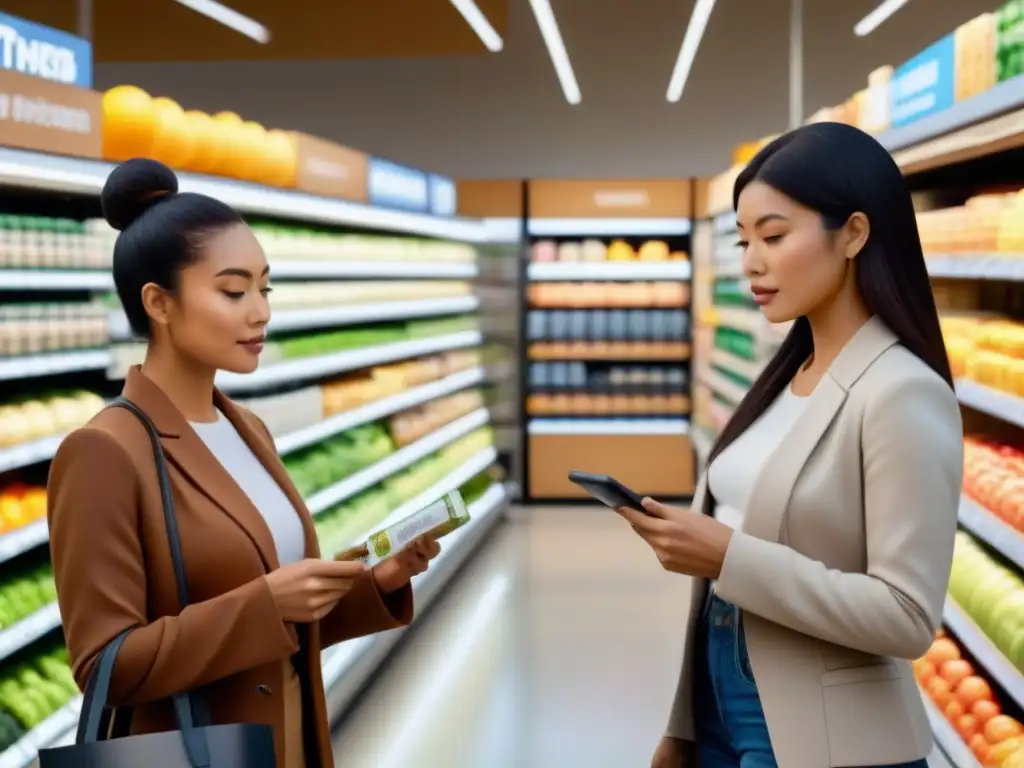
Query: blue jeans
(731, 729)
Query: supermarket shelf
(730, 362)
(608, 270)
(947, 739)
(23, 539)
(983, 650)
(53, 731)
(720, 385)
(52, 363)
(348, 666)
(55, 280)
(1001, 405)
(981, 266)
(463, 474)
(397, 461)
(364, 414)
(609, 227)
(608, 427)
(741, 319)
(29, 629)
(305, 270)
(985, 525)
(1002, 98)
(507, 229)
(26, 454)
(34, 170)
(290, 371)
(298, 319)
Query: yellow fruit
(282, 159)
(173, 142)
(1004, 749)
(129, 123)
(251, 161)
(205, 142)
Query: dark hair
(838, 170)
(162, 230)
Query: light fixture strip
(873, 20)
(556, 49)
(229, 18)
(478, 23)
(688, 50)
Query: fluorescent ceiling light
(229, 18)
(556, 49)
(688, 50)
(478, 23)
(873, 20)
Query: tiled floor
(557, 647)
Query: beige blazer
(843, 560)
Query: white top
(241, 463)
(732, 474)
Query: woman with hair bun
(194, 282)
(845, 460)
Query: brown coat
(113, 568)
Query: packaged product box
(447, 514)
(974, 45)
(875, 101)
(1010, 40)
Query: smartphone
(608, 490)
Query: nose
(753, 265)
(259, 313)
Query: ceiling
(503, 115)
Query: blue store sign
(395, 186)
(924, 85)
(443, 199)
(39, 51)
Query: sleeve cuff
(743, 553)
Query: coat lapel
(186, 451)
(778, 477)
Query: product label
(449, 510)
(926, 84)
(38, 51)
(443, 197)
(329, 169)
(396, 186)
(49, 117)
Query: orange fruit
(979, 746)
(204, 139)
(282, 159)
(972, 689)
(985, 710)
(173, 141)
(924, 670)
(940, 691)
(966, 726)
(942, 650)
(956, 670)
(954, 710)
(1000, 728)
(129, 123)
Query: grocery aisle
(557, 646)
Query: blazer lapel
(265, 451)
(186, 450)
(778, 477)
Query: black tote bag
(196, 744)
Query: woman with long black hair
(845, 459)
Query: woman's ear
(855, 234)
(157, 303)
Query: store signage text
(49, 117)
(443, 197)
(621, 198)
(330, 169)
(924, 85)
(396, 186)
(38, 51)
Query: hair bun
(132, 188)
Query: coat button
(265, 690)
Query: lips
(255, 344)
(762, 296)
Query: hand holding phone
(608, 491)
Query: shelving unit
(607, 336)
(952, 159)
(432, 360)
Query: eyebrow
(239, 272)
(765, 219)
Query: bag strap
(95, 706)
